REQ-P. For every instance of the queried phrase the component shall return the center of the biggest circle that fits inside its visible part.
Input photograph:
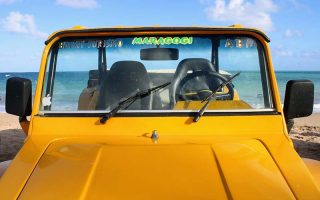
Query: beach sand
(11, 136)
(305, 136)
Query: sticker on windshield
(46, 101)
(238, 43)
(120, 43)
(89, 44)
(162, 40)
(229, 43)
(251, 43)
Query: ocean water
(69, 85)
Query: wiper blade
(130, 100)
(211, 97)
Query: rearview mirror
(299, 97)
(159, 54)
(18, 96)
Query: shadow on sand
(11, 140)
(307, 149)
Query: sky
(292, 25)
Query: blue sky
(292, 25)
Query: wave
(316, 108)
(2, 109)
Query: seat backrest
(189, 64)
(93, 78)
(124, 79)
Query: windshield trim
(161, 113)
(154, 30)
(158, 111)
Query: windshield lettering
(162, 40)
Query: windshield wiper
(212, 97)
(130, 100)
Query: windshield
(95, 74)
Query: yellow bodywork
(219, 157)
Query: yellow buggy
(158, 113)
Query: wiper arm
(211, 97)
(130, 100)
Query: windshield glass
(95, 74)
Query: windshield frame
(266, 82)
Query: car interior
(193, 80)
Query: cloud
(289, 33)
(17, 22)
(7, 1)
(255, 13)
(312, 54)
(279, 51)
(297, 5)
(78, 3)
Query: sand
(11, 136)
(305, 135)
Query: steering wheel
(200, 84)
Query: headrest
(194, 64)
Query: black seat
(186, 65)
(125, 78)
(93, 78)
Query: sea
(79, 81)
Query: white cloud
(292, 33)
(7, 1)
(295, 3)
(313, 54)
(249, 13)
(78, 3)
(17, 22)
(298, 5)
(281, 52)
